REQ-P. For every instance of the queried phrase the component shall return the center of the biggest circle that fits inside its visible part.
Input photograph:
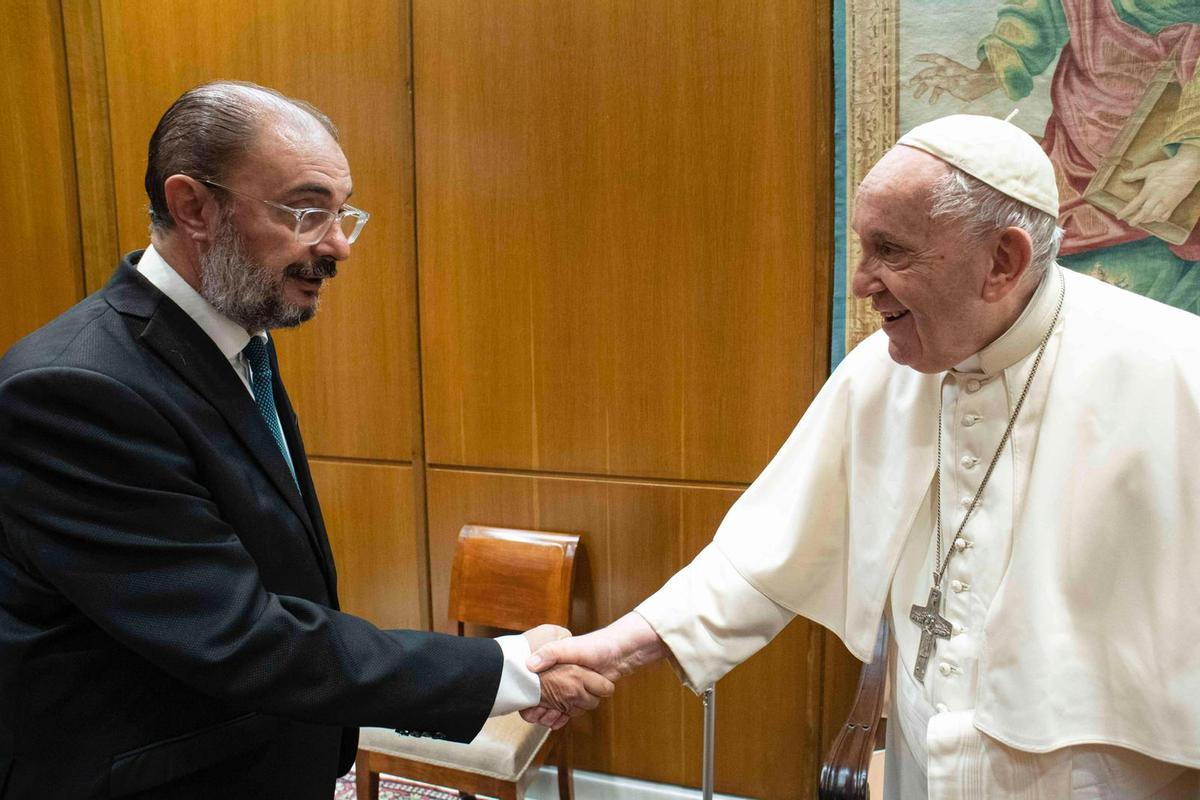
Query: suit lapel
(180, 342)
(291, 433)
(173, 335)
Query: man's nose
(866, 280)
(333, 245)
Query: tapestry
(1109, 87)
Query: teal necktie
(264, 398)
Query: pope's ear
(192, 206)
(1011, 257)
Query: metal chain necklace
(928, 617)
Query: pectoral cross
(931, 624)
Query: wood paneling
(635, 536)
(623, 213)
(369, 516)
(93, 143)
(350, 373)
(39, 205)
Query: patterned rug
(392, 789)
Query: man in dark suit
(169, 624)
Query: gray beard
(248, 293)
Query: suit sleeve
(100, 499)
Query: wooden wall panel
(368, 512)
(353, 370)
(635, 536)
(39, 205)
(93, 140)
(624, 222)
(623, 215)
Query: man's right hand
(612, 652)
(568, 690)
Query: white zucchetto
(996, 152)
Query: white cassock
(1074, 667)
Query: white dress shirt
(519, 688)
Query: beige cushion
(503, 749)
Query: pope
(1003, 470)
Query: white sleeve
(711, 618)
(519, 688)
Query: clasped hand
(576, 671)
(568, 690)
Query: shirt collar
(226, 334)
(1024, 336)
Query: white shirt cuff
(519, 688)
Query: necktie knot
(256, 356)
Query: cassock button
(969, 462)
(942, 708)
(965, 502)
(957, 586)
(960, 544)
(971, 419)
(945, 668)
(973, 386)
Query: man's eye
(889, 252)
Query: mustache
(320, 269)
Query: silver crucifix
(931, 624)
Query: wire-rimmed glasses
(313, 224)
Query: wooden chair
(844, 772)
(502, 578)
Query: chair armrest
(844, 772)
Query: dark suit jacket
(168, 602)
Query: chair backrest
(512, 579)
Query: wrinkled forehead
(904, 171)
(296, 150)
(899, 187)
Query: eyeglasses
(313, 224)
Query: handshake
(577, 671)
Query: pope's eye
(888, 251)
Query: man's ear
(192, 206)
(1011, 256)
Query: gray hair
(207, 131)
(983, 210)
